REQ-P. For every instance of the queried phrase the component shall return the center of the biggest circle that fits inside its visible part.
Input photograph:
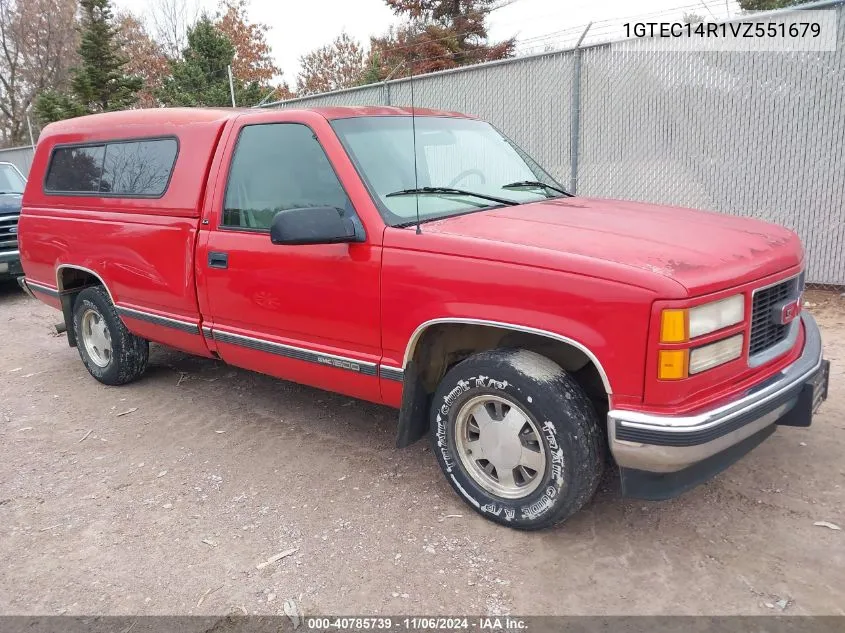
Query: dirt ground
(169, 509)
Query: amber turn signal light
(672, 364)
(673, 326)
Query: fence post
(386, 84)
(231, 85)
(575, 120)
(31, 136)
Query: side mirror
(312, 225)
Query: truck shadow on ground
(363, 432)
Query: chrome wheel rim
(96, 338)
(500, 446)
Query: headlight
(715, 316)
(677, 326)
(715, 354)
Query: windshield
(11, 180)
(452, 153)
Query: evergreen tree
(200, 78)
(372, 69)
(100, 82)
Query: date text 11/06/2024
(505, 623)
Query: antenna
(416, 171)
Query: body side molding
(43, 289)
(367, 368)
(391, 373)
(157, 319)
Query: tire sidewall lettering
(534, 506)
(558, 464)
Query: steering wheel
(466, 174)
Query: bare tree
(37, 48)
(170, 20)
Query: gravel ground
(164, 496)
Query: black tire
(569, 430)
(129, 355)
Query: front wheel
(517, 438)
(111, 353)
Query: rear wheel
(110, 352)
(517, 438)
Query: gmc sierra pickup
(422, 260)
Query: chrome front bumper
(668, 444)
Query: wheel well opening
(76, 279)
(71, 281)
(443, 345)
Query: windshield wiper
(450, 191)
(522, 184)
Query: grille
(765, 333)
(8, 232)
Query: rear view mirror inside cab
(438, 137)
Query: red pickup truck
(424, 261)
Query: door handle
(218, 260)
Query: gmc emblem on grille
(785, 313)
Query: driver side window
(278, 166)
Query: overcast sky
(298, 26)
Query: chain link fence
(746, 133)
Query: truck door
(307, 313)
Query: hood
(10, 203)
(701, 250)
